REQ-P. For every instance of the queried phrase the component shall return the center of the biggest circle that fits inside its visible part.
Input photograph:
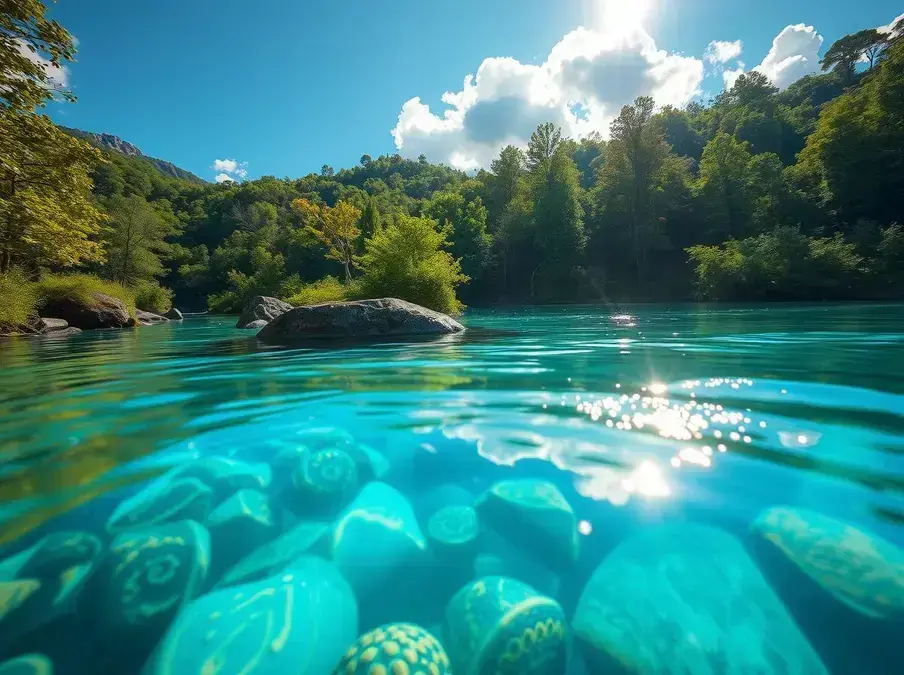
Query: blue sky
(282, 87)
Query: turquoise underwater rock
(225, 475)
(166, 500)
(300, 621)
(500, 626)
(534, 516)
(29, 664)
(147, 577)
(43, 582)
(454, 532)
(241, 523)
(275, 556)
(395, 649)
(857, 567)
(374, 536)
(687, 599)
(323, 482)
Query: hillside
(115, 144)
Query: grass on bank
(21, 297)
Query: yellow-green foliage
(152, 297)
(18, 299)
(328, 289)
(82, 287)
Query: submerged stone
(688, 599)
(535, 516)
(453, 532)
(241, 523)
(43, 582)
(499, 625)
(323, 482)
(375, 535)
(393, 649)
(271, 558)
(164, 501)
(225, 475)
(859, 568)
(29, 664)
(372, 464)
(300, 621)
(148, 576)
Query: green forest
(758, 195)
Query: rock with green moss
(43, 582)
(859, 568)
(499, 625)
(166, 500)
(393, 649)
(687, 599)
(300, 621)
(306, 537)
(29, 664)
(146, 579)
(376, 535)
(323, 482)
(534, 516)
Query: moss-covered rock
(501, 626)
(394, 649)
(300, 621)
(687, 599)
(859, 568)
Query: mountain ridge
(114, 143)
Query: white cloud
(889, 28)
(229, 169)
(794, 53)
(583, 83)
(729, 76)
(58, 75)
(722, 51)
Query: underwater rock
(165, 500)
(374, 536)
(499, 625)
(535, 516)
(372, 464)
(261, 308)
(859, 568)
(323, 482)
(687, 599)
(225, 475)
(394, 649)
(300, 621)
(507, 561)
(43, 582)
(29, 664)
(241, 523)
(453, 532)
(271, 558)
(146, 578)
(358, 319)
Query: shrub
(152, 297)
(408, 260)
(18, 300)
(81, 287)
(328, 289)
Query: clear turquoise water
(643, 417)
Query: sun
(619, 16)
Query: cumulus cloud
(230, 170)
(794, 53)
(58, 75)
(722, 51)
(730, 76)
(224, 178)
(581, 86)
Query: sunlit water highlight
(640, 415)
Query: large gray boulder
(149, 318)
(359, 319)
(173, 314)
(260, 307)
(102, 311)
